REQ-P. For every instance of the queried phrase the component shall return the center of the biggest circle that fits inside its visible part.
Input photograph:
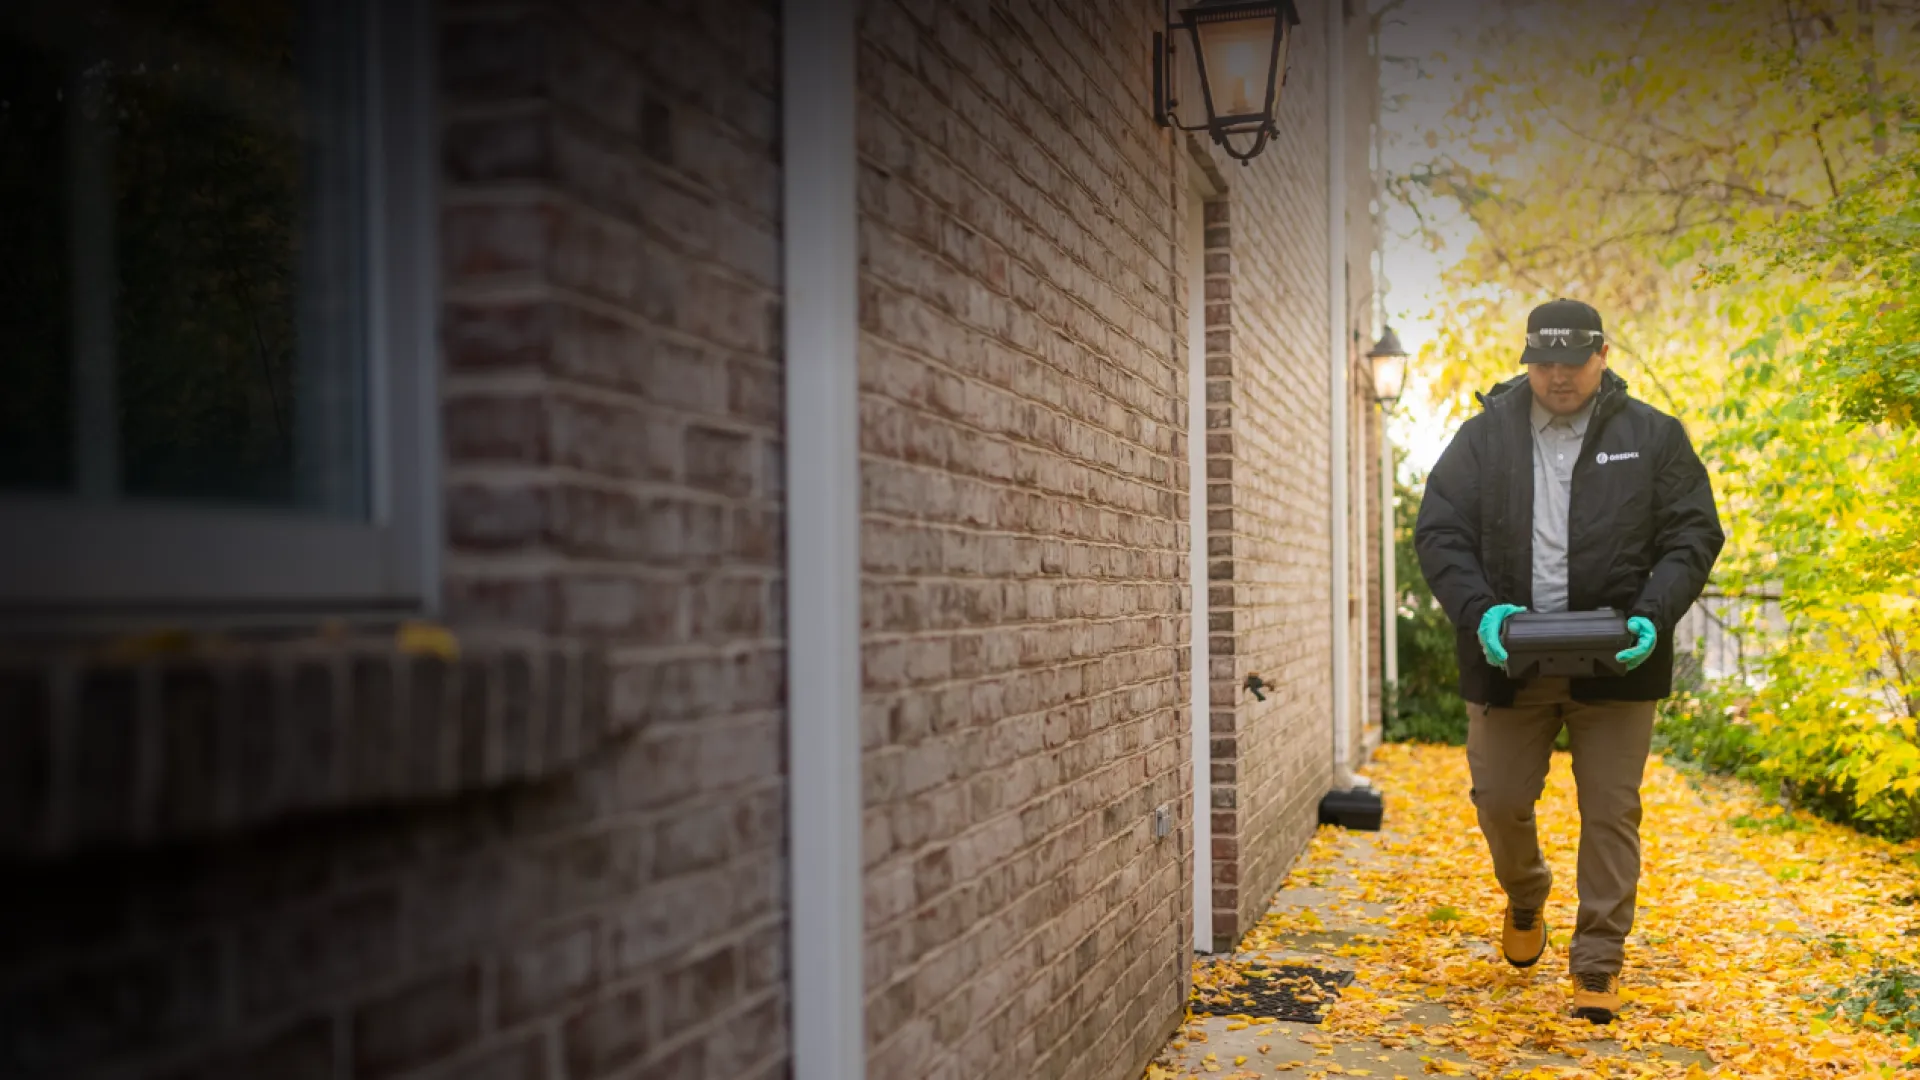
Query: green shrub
(1819, 750)
(1703, 725)
(1887, 998)
(1426, 703)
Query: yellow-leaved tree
(1736, 186)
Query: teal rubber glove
(1490, 625)
(1644, 634)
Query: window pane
(205, 334)
(36, 412)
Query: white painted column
(1337, 391)
(821, 269)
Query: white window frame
(65, 560)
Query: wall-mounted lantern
(1233, 54)
(1389, 368)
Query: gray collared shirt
(1556, 446)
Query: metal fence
(1730, 632)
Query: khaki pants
(1508, 751)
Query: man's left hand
(1644, 635)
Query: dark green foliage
(1704, 725)
(1886, 998)
(1695, 724)
(1427, 705)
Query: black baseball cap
(1562, 331)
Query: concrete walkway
(1752, 923)
(1346, 893)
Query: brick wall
(612, 427)
(1023, 474)
(1269, 541)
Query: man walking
(1565, 494)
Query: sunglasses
(1566, 339)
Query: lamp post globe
(1389, 360)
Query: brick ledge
(103, 753)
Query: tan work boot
(1596, 997)
(1523, 936)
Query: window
(218, 306)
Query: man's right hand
(1490, 625)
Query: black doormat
(1283, 992)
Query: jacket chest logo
(1618, 455)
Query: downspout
(821, 273)
(1389, 583)
(1337, 391)
(1357, 521)
(1389, 525)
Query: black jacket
(1642, 533)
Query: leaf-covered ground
(1752, 919)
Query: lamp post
(1389, 360)
(1238, 62)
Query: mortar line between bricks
(970, 273)
(418, 963)
(1078, 542)
(1044, 231)
(1082, 623)
(526, 382)
(966, 372)
(560, 479)
(931, 299)
(609, 138)
(1010, 294)
(543, 561)
(511, 472)
(935, 686)
(1094, 1039)
(1016, 440)
(908, 972)
(531, 286)
(1040, 275)
(583, 22)
(1086, 499)
(541, 195)
(956, 784)
(987, 142)
(1009, 121)
(1013, 812)
(1007, 954)
(669, 1044)
(1131, 514)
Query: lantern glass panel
(1389, 377)
(1239, 58)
